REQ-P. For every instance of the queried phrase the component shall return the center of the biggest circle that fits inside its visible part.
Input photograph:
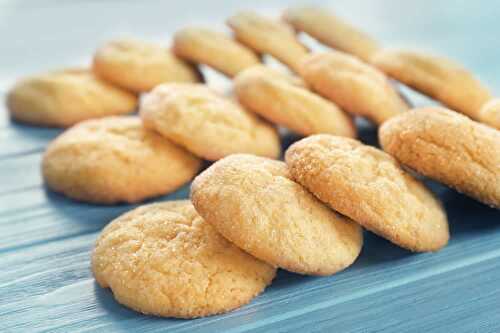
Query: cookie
(448, 147)
(139, 66)
(370, 187)
(331, 31)
(164, 259)
(356, 87)
(214, 49)
(64, 98)
(296, 108)
(268, 36)
(437, 77)
(490, 113)
(253, 202)
(114, 159)
(277, 74)
(206, 123)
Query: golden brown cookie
(206, 123)
(296, 108)
(253, 202)
(331, 31)
(139, 66)
(164, 259)
(278, 74)
(114, 159)
(63, 98)
(356, 87)
(490, 113)
(265, 35)
(370, 187)
(439, 78)
(448, 147)
(214, 49)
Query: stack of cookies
(250, 213)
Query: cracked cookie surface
(448, 147)
(253, 202)
(164, 259)
(369, 186)
(139, 66)
(356, 87)
(289, 105)
(206, 123)
(64, 98)
(437, 77)
(114, 159)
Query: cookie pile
(250, 213)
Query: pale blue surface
(45, 239)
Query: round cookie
(253, 202)
(64, 98)
(268, 36)
(330, 30)
(205, 123)
(296, 108)
(356, 87)
(370, 187)
(214, 49)
(490, 113)
(139, 66)
(164, 259)
(448, 147)
(114, 159)
(439, 78)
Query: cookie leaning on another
(206, 123)
(164, 259)
(438, 77)
(283, 103)
(253, 202)
(356, 87)
(448, 147)
(214, 49)
(369, 186)
(267, 36)
(64, 98)
(332, 31)
(139, 66)
(114, 159)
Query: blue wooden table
(46, 239)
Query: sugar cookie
(205, 123)
(139, 66)
(268, 36)
(490, 113)
(164, 259)
(253, 202)
(440, 78)
(286, 104)
(369, 186)
(356, 87)
(114, 159)
(63, 98)
(214, 49)
(448, 147)
(331, 31)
